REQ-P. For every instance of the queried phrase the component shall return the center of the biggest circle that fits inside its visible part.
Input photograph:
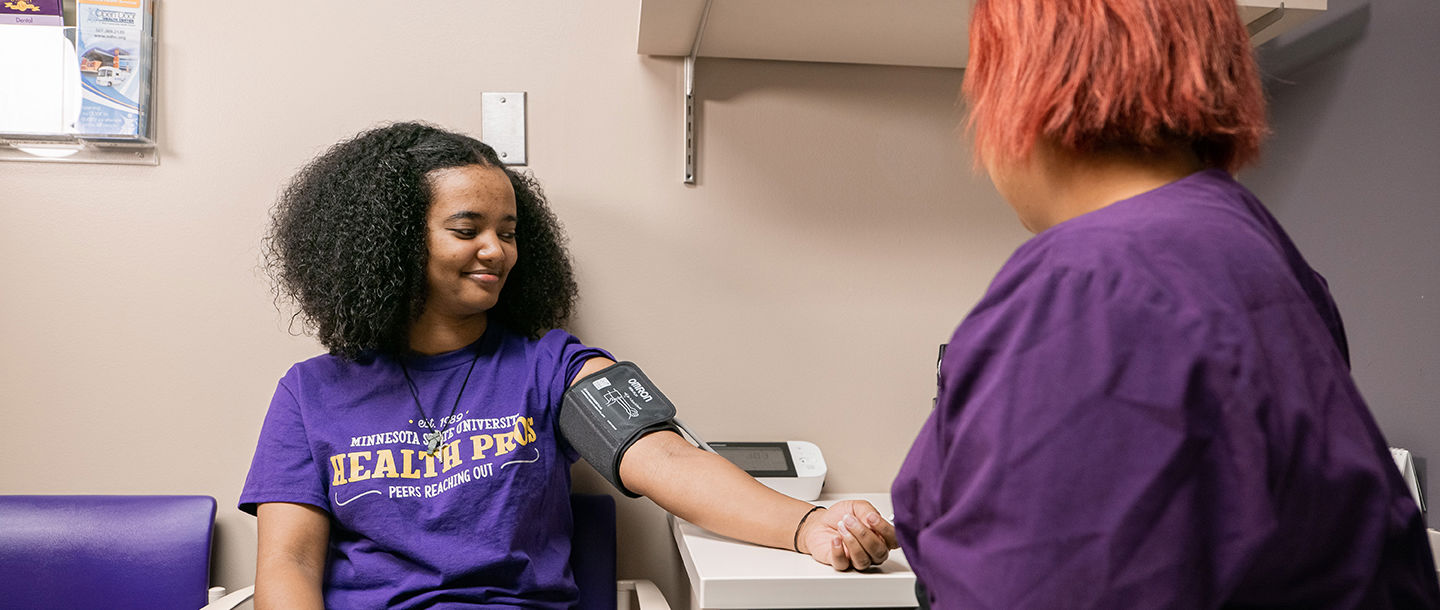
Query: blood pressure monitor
(793, 468)
(604, 413)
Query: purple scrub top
(1152, 407)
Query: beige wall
(798, 291)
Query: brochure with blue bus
(114, 45)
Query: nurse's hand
(849, 534)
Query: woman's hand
(848, 534)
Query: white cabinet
(892, 32)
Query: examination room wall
(798, 291)
(1353, 172)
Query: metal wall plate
(502, 116)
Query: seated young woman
(438, 280)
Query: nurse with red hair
(1151, 406)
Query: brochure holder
(78, 99)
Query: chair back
(592, 550)
(105, 551)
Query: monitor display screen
(756, 458)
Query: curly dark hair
(347, 241)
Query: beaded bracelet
(796, 542)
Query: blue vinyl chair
(593, 558)
(105, 551)
(153, 552)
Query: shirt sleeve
(284, 468)
(570, 355)
(1078, 457)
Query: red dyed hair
(1093, 75)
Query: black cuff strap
(606, 412)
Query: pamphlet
(114, 55)
(31, 12)
(38, 80)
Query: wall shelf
(924, 33)
(64, 148)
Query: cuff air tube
(604, 413)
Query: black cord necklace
(433, 439)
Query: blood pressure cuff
(604, 413)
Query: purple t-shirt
(485, 524)
(1152, 407)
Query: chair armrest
(647, 596)
(229, 602)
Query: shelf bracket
(1271, 17)
(689, 101)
